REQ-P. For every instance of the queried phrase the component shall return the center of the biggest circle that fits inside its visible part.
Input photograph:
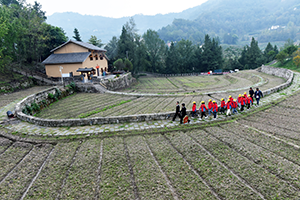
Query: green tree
(127, 65)
(95, 41)
(112, 48)
(77, 35)
(125, 45)
(155, 49)
(281, 56)
(172, 60)
(119, 64)
(212, 54)
(140, 62)
(185, 51)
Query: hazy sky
(116, 8)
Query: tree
(212, 54)
(281, 56)
(172, 60)
(119, 64)
(112, 48)
(127, 65)
(125, 45)
(94, 41)
(155, 49)
(77, 35)
(296, 58)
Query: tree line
(149, 53)
(25, 38)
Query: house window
(96, 57)
(91, 58)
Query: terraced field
(103, 105)
(243, 79)
(256, 157)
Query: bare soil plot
(258, 179)
(10, 97)
(17, 180)
(49, 182)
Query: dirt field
(252, 158)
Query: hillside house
(72, 55)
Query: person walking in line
(234, 106)
(215, 109)
(242, 102)
(177, 112)
(203, 110)
(222, 109)
(258, 94)
(249, 101)
(245, 95)
(239, 101)
(183, 113)
(230, 98)
(210, 107)
(194, 109)
(251, 93)
(228, 107)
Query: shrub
(50, 96)
(35, 107)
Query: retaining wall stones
(129, 118)
(280, 72)
(118, 83)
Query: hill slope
(105, 28)
(236, 17)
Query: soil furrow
(135, 188)
(68, 172)
(229, 169)
(16, 165)
(163, 173)
(97, 196)
(37, 174)
(270, 135)
(238, 147)
(194, 170)
(5, 149)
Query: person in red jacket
(203, 110)
(222, 109)
(234, 106)
(210, 107)
(249, 101)
(215, 109)
(242, 101)
(231, 99)
(228, 107)
(194, 109)
(238, 101)
(245, 95)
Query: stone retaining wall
(119, 83)
(129, 118)
(280, 72)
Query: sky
(116, 8)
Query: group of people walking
(228, 107)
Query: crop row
(83, 104)
(259, 179)
(289, 112)
(275, 164)
(220, 178)
(17, 180)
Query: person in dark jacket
(183, 113)
(258, 94)
(177, 112)
(251, 93)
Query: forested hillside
(105, 27)
(233, 20)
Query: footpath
(32, 129)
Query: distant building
(73, 55)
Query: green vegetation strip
(85, 115)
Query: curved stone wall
(129, 118)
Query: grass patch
(85, 115)
(289, 64)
